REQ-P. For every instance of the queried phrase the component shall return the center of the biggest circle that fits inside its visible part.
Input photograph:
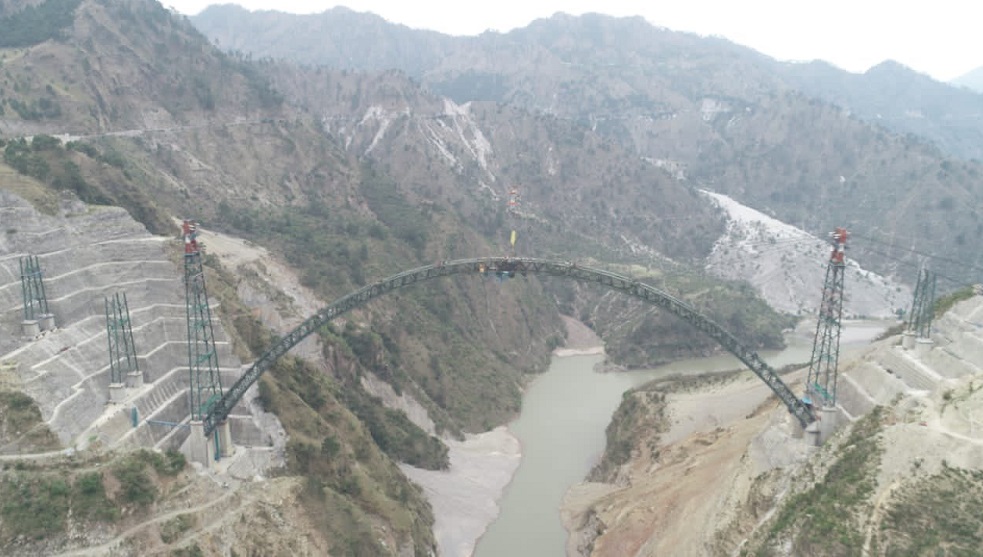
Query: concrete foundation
(117, 392)
(908, 340)
(827, 422)
(31, 328)
(923, 346)
(199, 447)
(224, 433)
(134, 379)
(47, 322)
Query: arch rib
(510, 266)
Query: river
(561, 429)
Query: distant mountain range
(466, 68)
(971, 80)
(812, 145)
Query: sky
(941, 38)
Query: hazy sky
(942, 38)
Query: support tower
(37, 318)
(922, 305)
(206, 387)
(821, 384)
(124, 369)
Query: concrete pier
(908, 340)
(47, 322)
(117, 393)
(134, 379)
(224, 433)
(31, 328)
(199, 447)
(827, 423)
(923, 346)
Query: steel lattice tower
(821, 384)
(122, 350)
(32, 283)
(923, 305)
(206, 387)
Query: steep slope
(897, 479)
(787, 266)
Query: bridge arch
(509, 266)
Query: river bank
(719, 438)
(469, 497)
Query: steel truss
(122, 350)
(206, 385)
(32, 285)
(824, 364)
(510, 267)
(923, 305)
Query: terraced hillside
(87, 253)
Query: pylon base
(923, 346)
(117, 392)
(31, 328)
(47, 322)
(908, 340)
(134, 379)
(199, 449)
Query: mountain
(811, 145)
(901, 99)
(971, 80)
(343, 178)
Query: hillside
(722, 471)
(972, 80)
(715, 115)
(337, 179)
(900, 99)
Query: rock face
(87, 253)
(786, 265)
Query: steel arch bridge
(509, 267)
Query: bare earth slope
(728, 468)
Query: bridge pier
(199, 448)
(908, 340)
(46, 321)
(117, 392)
(923, 346)
(224, 432)
(819, 431)
(31, 328)
(827, 423)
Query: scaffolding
(821, 383)
(122, 350)
(206, 386)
